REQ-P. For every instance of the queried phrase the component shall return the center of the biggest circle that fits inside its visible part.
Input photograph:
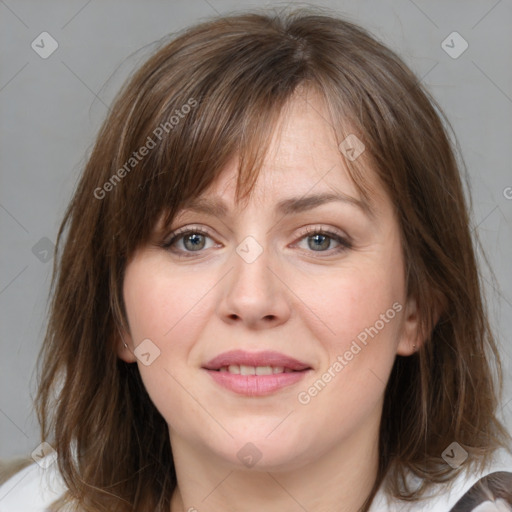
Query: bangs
(191, 109)
(192, 125)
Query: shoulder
(33, 488)
(464, 494)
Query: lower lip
(256, 385)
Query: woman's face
(303, 289)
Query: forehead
(303, 160)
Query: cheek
(345, 306)
(171, 310)
(167, 309)
(358, 320)
(164, 306)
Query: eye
(188, 240)
(321, 240)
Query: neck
(340, 479)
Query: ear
(410, 338)
(124, 347)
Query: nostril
(234, 316)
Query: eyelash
(175, 236)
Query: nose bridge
(251, 280)
(253, 294)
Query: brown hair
(236, 74)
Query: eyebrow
(217, 207)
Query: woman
(267, 296)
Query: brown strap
(491, 487)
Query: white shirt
(443, 497)
(34, 488)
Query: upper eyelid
(208, 231)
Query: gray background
(51, 109)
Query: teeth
(247, 370)
(254, 370)
(264, 370)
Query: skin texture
(306, 303)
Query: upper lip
(265, 358)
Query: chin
(257, 450)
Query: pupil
(195, 240)
(322, 239)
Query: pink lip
(265, 358)
(255, 385)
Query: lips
(255, 359)
(255, 374)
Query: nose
(254, 294)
